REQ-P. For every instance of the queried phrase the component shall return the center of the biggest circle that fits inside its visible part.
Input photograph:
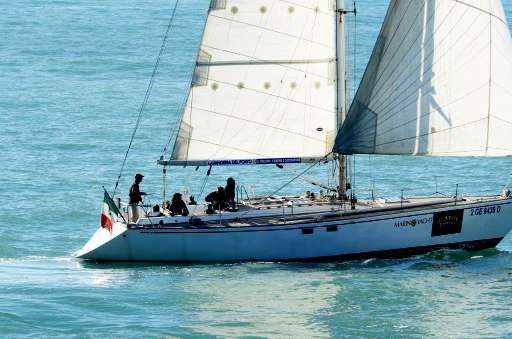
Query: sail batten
(265, 62)
(263, 85)
(438, 83)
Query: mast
(340, 89)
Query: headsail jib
(263, 85)
(439, 82)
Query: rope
(180, 111)
(354, 176)
(310, 180)
(148, 92)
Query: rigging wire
(299, 175)
(309, 179)
(354, 177)
(181, 107)
(309, 168)
(354, 86)
(201, 191)
(148, 92)
(370, 172)
(354, 61)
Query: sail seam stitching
(392, 39)
(391, 75)
(391, 105)
(433, 111)
(271, 30)
(430, 133)
(481, 10)
(501, 119)
(256, 123)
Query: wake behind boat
(269, 89)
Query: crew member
(167, 207)
(135, 197)
(178, 206)
(156, 212)
(217, 199)
(230, 191)
(135, 193)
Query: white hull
(392, 233)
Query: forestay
(263, 86)
(439, 82)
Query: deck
(289, 210)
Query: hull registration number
(485, 210)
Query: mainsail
(264, 86)
(439, 82)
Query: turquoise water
(72, 76)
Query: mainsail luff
(264, 84)
(439, 82)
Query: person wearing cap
(135, 198)
(135, 193)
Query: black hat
(138, 175)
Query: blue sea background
(72, 77)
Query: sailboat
(269, 88)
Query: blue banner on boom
(255, 161)
(278, 161)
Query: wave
(34, 258)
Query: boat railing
(133, 212)
(240, 190)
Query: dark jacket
(178, 207)
(217, 199)
(230, 193)
(135, 194)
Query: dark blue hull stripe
(475, 245)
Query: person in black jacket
(217, 199)
(135, 196)
(135, 193)
(178, 206)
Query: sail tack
(264, 84)
(439, 82)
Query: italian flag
(108, 207)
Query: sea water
(73, 74)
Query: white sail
(264, 84)
(439, 82)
